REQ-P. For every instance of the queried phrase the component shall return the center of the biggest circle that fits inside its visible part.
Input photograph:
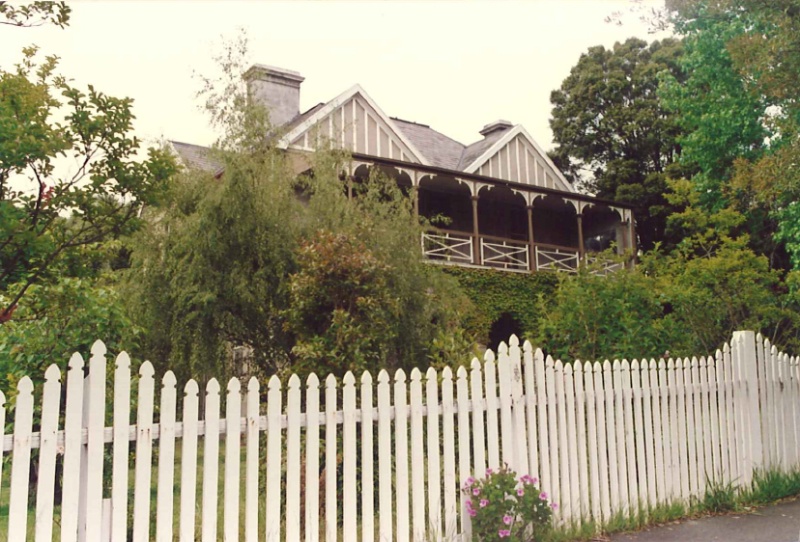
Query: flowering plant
(504, 507)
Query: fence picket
(698, 426)
(417, 459)
(683, 450)
(723, 471)
(464, 437)
(478, 442)
(348, 457)
(561, 491)
(519, 432)
(367, 460)
(293, 517)
(649, 442)
(691, 433)
(666, 442)
(542, 418)
(211, 462)
(573, 508)
(505, 400)
(385, 508)
(95, 446)
(492, 406)
(312, 473)
(630, 448)
(21, 460)
(233, 440)
(555, 471)
(251, 476)
(51, 399)
(705, 409)
(450, 483)
(658, 431)
(619, 423)
(592, 444)
(530, 409)
(675, 444)
(582, 459)
(189, 461)
(166, 459)
(433, 456)
(144, 450)
(638, 421)
(119, 467)
(732, 440)
(401, 455)
(272, 523)
(602, 441)
(611, 438)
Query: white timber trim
(339, 101)
(505, 140)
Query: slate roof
(473, 151)
(197, 157)
(439, 150)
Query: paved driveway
(777, 523)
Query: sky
(454, 65)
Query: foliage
(495, 293)
(611, 131)
(502, 506)
(47, 217)
(35, 13)
(57, 319)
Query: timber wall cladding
(602, 437)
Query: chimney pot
(498, 125)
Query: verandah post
(745, 343)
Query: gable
(354, 123)
(516, 157)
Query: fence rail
(603, 438)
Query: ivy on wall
(495, 292)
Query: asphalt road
(776, 523)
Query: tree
(47, 216)
(611, 131)
(35, 14)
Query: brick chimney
(277, 89)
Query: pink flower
(553, 506)
(534, 480)
(468, 504)
(543, 496)
(507, 519)
(489, 472)
(469, 481)
(502, 533)
(476, 491)
(521, 492)
(526, 479)
(472, 512)
(484, 502)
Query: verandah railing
(602, 437)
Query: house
(508, 205)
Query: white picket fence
(603, 438)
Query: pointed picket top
(123, 361)
(349, 379)
(549, 362)
(400, 376)
(447, 373)
(383, 377)
(253, 385)
(578, 366)
(615, 365)
(476, 364)
(234, 386)
(146, 370)
(461, 372)
(366, 378)
(25, 385)
(662, 364)
(773, 350)
(513, 341)
(597, 367)
(726, 348)
(76, 361)
(559, 365)
(312, 382)
(489, 356)
(212, 388)
(703, 362)
(431, 375)
(330, 382)
(416, 375)
(671, 364)
(626, 366)
(527, 347)
(274, 383)
(99, 349)
(694, 362)
(760, 338)
(635, 365)
(191, 389)
(568, 368)
(53, 373)
(169, 380)
(502, 349)
(718, 353)
(606, 365)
